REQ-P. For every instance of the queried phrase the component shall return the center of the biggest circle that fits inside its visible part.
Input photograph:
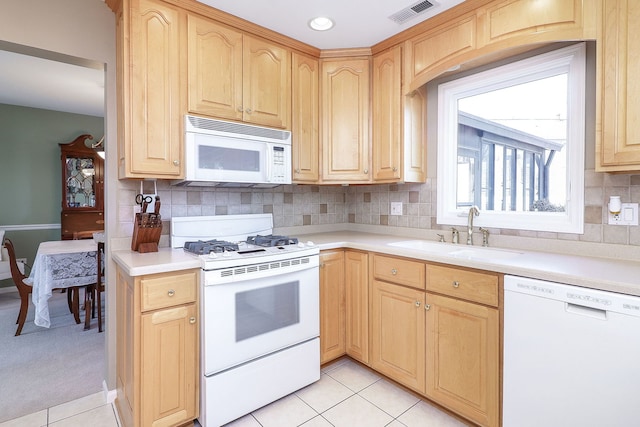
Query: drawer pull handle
(171, 292)
(456, 284)
(192, 320)
(394, 271)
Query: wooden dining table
(60, 264)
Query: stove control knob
(310, 243)
(300, 245)
(212, 255)
(226, 254)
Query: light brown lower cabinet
(356, 271)
(462, 358)
(332, 310)
(157, 366)
(398, 333)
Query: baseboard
(109, 395)
(8, 289)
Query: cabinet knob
(239, 109)
(297, 170)
(171, 292)
(417, 303)
(456, 284)
(427, 307)
(395, 169)
(394, 271)
(249, 111)
(192, 320)
(366, 171)
(176, 162)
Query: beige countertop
(621, 276)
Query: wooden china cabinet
(82, 187)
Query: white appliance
(219, 153)
(571, 356)
(260, 312)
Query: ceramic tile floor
(347, 395)
(87, 411)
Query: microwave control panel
(279, 165)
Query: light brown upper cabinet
(481, 31)
(150, 97)
(387, 115)
(618, 138)
(305, 81)
(236, 76)
(345, 120)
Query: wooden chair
(25, 290)
(73, 297)
(93, 294)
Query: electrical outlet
(628, 215)
(396, 208)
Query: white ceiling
(358, 23)
(32, 81)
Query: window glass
(511, 142)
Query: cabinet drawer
(473, 286)
(166, 291)
(398, 270)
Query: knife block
(146, 233)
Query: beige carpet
(46, 367)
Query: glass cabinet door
(80, 182)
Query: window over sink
(511, 142)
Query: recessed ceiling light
(321, 23)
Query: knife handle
(156, 207)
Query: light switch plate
(628, 215)
(396, 208)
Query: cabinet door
(266, 83)
(618, 142)
(345, 120)
(387, 111)
(505, 20)
(153, 143)
(332, 310)
(305, 120)
(397, 333)
(463, 358)
(356, 266)
(169, 366)
(414, 138)
(215, 69)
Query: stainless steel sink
(458, 251)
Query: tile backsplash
(300, 205)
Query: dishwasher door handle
(583, 310)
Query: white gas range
(260, 311)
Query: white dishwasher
(571, 356)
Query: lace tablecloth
(60, 264)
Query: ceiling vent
(411, 12)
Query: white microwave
(219, 153)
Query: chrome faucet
(473, 211)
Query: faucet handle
(485, 236)
(455, 235)
(441, 238)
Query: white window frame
(571, 59)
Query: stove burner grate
(271, 240)
(205, 247)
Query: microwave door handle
(269, 161)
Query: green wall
(30, 174)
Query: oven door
(244, 320)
